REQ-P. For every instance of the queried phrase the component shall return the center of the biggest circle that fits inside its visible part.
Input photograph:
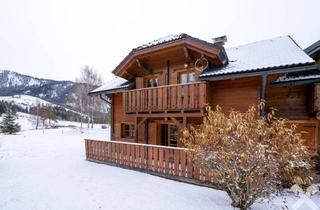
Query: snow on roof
(161, 40)
(113, 84)
(262, 55)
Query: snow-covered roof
(114, 84)
(161, 40)
(262, 55)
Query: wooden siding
(309, 130)
(167, 161)
(236, 94)
(291, 102)
(119, 117)
(191, 96)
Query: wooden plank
(176, 155)
(161, 166)
(124, 101)
(160, 99)
(149, 99)
(192, 96)
(183, 162)
(166, 157)
(154, 98)
(179, 97)
(138, 101)
(156, 159)
(185, 98)
(150, 153)
(165, 98)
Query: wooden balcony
(180, 97)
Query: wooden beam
(142, 65)
(186, 53)
(142, 121)
(162, 115)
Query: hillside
(13, 83)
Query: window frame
(127, 130)
(153, 78)
(188, 72)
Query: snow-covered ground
(28, 122)
(26, 102)
(46, 169)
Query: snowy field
(46, 170)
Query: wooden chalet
(164, 86)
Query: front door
(169, 135)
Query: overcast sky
(54, 39)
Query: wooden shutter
(139, 82)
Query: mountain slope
(13, 83)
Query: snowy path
(47, 170)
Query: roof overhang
(106, 92)
(185, 42)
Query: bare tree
(89, 79)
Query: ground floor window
(169, 135)
(127, 130)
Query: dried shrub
(250, 156)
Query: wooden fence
(162, 160)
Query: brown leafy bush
(250, 156)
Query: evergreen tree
(8, 124)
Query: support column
(263, 84)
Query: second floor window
(152, 82)
(186, 77)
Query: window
(127, 131)
(186, 77)
(183, 78)
(152, 82)
(192, 77)
(173, 135)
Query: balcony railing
(191, 96)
